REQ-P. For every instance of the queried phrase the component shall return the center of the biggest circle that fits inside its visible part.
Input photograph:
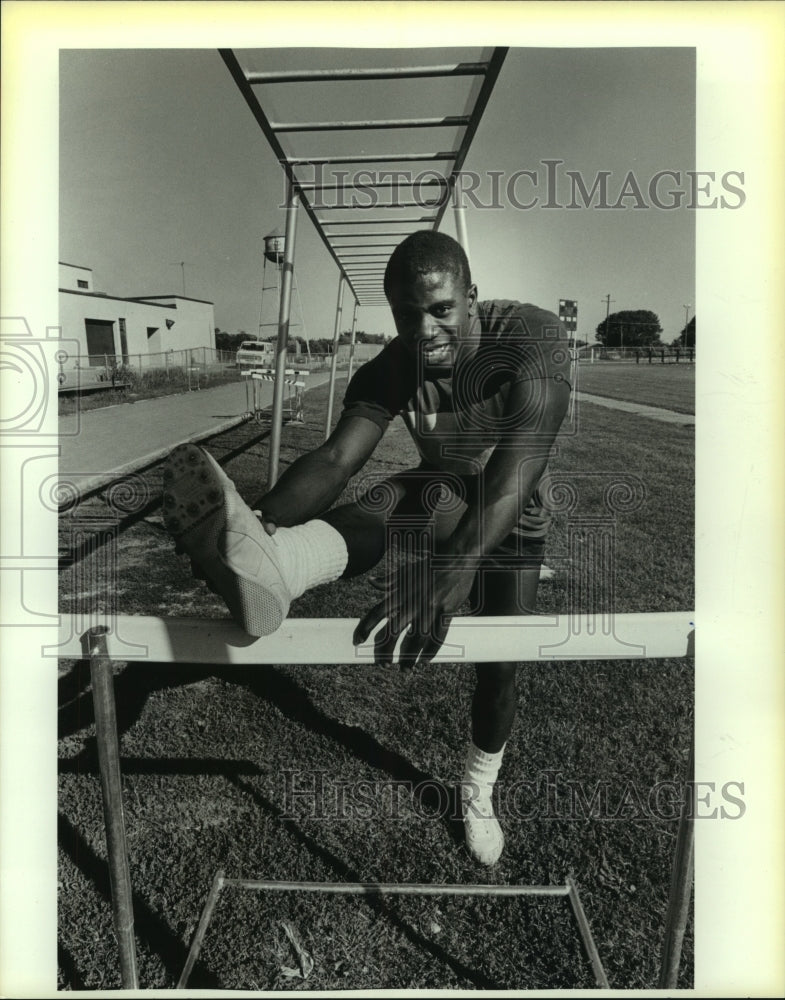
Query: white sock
(311, 553)
(479, 777)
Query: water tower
(274, 247)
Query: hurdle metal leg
(201, 930)
(112, 798)
(681, 886)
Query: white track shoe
(484, 837)
(210, 521)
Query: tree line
(627, 328)
(640, 328)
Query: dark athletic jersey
(457, 421)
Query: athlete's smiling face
(433, 315)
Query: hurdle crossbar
(329, 640)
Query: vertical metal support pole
(111, 794)
(460, 223)
(574, 387)
(681, 886)
(283, 334)
(334, 367)
(351, 343)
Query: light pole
(182, 265)
(607, 300)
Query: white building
(116, 330)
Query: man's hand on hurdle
(419, 605)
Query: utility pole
(607, 300)
(182, 265)
(686, 322)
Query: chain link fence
(191, 368)
(657, 354)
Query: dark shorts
(432, 493)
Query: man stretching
(483, 388)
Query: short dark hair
(424, 252)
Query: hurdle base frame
(569, 891)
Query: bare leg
(504, 592)
(366, 524)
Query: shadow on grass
(157, 936)
(132, 689)
(281, 691)
(68, 969)
(380, 908)
(137, 682)
(148, 926)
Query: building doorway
(100, 342)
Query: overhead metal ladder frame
(360, 264)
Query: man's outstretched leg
(258, 575)
(494, 704)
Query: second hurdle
(294, 380)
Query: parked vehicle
(255, 354)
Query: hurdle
(293, 379)
(326, 642)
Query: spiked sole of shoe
(199, 504)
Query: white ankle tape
(313, 553)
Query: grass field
(670, 386)
(213, 760)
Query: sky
(162, 162)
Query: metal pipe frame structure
(302, 191)
(284, 311)
(328, 641)
(334, 363)
(567, 891)
(351, 344)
